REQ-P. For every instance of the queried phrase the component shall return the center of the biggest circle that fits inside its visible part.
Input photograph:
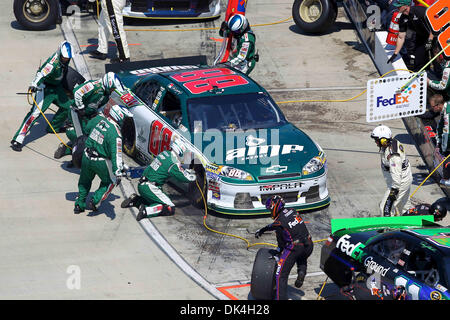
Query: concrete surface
(116, 256)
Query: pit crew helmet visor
(238, 23)
(275, 205)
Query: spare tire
(77, 151)
(262, 285)
(314, 16)
(36, 14)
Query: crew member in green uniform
(47, 84)
(152, 201)
(444, 83)
(102, 156)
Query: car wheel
(194, 192)
(36, 14)
(262, 285)
(129, 137)
(314, 16)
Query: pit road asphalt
(43, 242)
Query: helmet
(111, 81)
(117, 113)
(238, 23)
(178, 147)
(275, 204)
(438, 211)
(65, 50)
(382, 134)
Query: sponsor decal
(353, 250)
(375, 267)
(216, 195)
(396, 99)
(438, 16)
(276, 169)
(435, 295)
(256, 152)
(129, 100)
(174, 88)
(143, 72)
(252, 141)
(295, 222)
(280, 186)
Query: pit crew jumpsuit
(397, 173)
(419, 210)
(444, 83)
(48, 81)
(442, 139)
(111, 21)
(102, 157)
(242, 56)
(165, 166)
(296, 246)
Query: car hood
(265, 153)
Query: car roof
(438, 237)
(246, 85)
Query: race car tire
(36, 15)
(129, 137)
(71, 79)
(314, 16)
(262, 284)
(194, 193)
(77, 151)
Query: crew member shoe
(77, 209)
(445, 182)
(92, 206)
(142, 213)
(119, 60)
(299, 282)
(60, 152)
(98, 55)
(130, 201)
(16, 146)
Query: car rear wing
(126, 67)
(380, 222)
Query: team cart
(243, 148)
(42, 14)
(388, 258)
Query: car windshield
(233, 112)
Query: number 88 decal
(160, 137)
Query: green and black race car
(243, 148)
(389, 258)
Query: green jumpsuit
(165, 166)
(48, 81)
(444, 83)
(102, 157)
(242, 56)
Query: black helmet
(275, 204)
(438, 211)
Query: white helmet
(65, 50)
(112, 81)
(117, 113)
(178, 147)
(238, 23)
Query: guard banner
(386, 100)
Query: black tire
(314, 16)
(36, 14)
(129, 137)
(262, 285)
(77, 151)
(194, 192)
(72, 79)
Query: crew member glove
(32, 89)
(428, 45)
(258, 233)
(223, 29)
(392, 58)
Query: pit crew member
(47, 84)
(102, 157)
(444, 83)
(443, 145)
(152, 201)
(396, 170)
(294, 243)
(243, 56)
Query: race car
(172, 9)
(401, 258)
(242, 147)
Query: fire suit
(419, 210)
(295, 244)
(48, 82)
(397, 173)
(102, 157)
(165, 166)
(444, 83)
(111, 21)
(242, 56)
(442, 138)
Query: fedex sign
(438, 15)
(396, 99)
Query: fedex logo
(396, 99)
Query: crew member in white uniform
(396, 171)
